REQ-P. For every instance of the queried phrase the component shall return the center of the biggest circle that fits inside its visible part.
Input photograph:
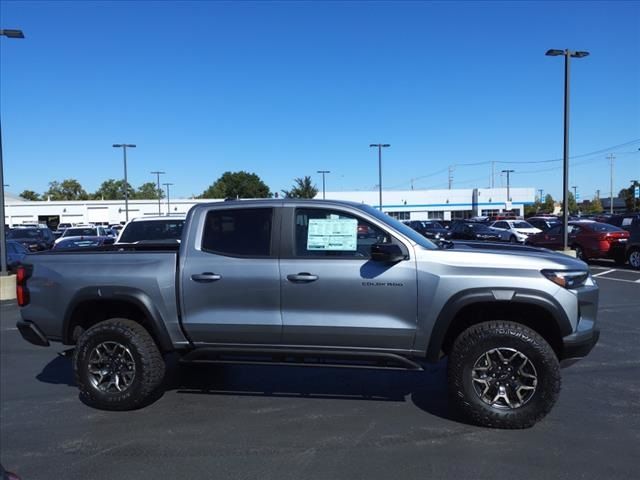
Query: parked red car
(588, 239)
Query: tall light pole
(380, 147)
(168, 198)
(157, 174)
(323, 172)
(124, 147)
(611, 157)
(3, 244)
(634, 184)
(508, 172)
(565, 175)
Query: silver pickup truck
(315, 283)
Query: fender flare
(492, 295)
(134, 296)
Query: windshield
(479, 227)
(401, 227)
(24, 233)
(522, 225)
(152, 230)
(80, 232)
(77, 243)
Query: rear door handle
(205, 277)
(302, 277)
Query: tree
(148, 191)
(627, 195)
(571, 201)
(595, 206)
(113, 190)
(237, 185)
(69, 189)
(30, 195)
(302, 188)
(549, 205)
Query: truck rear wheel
(503, 375)
(117, 365)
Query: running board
(300, 357)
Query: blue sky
(283, 89)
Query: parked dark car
(68, 243)
(588, 239)
(430, 229)
(544, 223)
(15, 254)
(631, 223)
(34, 239)
(473, 231)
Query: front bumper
(578, 345)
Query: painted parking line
(635, 282)
(604, 273)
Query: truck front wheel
(117, 365)
(503, 375)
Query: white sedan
(514, 231)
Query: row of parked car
(615, 237)
(35, 238)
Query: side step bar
(300, 356)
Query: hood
(497, 256)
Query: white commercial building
(404, 205)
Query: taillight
(22, 292)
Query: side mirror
(386, 252)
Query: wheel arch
(92, 305)
(532, 308)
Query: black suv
(473, 231)
(631, 223)
(34, 239)
(429, 228)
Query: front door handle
(302, 277)
(205, 277)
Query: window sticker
(627, 221)
(332, 234)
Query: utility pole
(611, 158)
(508, 187)
(323, 172)
(493, 166)
(124, 147)
(540, 191)
(157, 174)
(380, 146)
(451, 169)
(168, 200)
(575, 196)
(634, 184)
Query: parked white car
(514, 231)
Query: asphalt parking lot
(268, 422)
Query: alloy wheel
(504, 378)
(111, 367)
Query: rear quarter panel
(57, 279)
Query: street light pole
(380, 146)
(565, 175)
(323, 172)
(611, 158)
(124, 147)
(3, 243)
(508, 186)
(157, 174)
(168, 198)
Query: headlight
(567, 278)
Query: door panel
(231, 282)
(352, 301)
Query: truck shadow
(426, 389)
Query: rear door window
(238, 232)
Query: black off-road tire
(478, 339)
(149, 365)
